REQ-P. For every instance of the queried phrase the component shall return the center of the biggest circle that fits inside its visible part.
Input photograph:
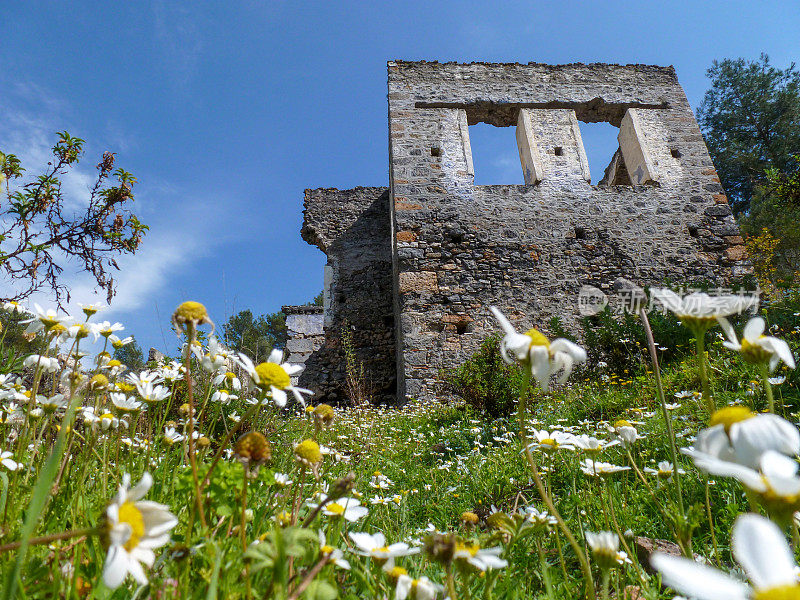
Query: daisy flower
(274, 377)
(334, 555)
(759, 546)
(43, 319)
(480, 558)
(533, 349)
(600, 469)
(133, 529)
(699, 310)
(605, 549)
(417, 589)
(7, 460)
(755, 347)
(738, 435)
(374, 546)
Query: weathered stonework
(416, 266)
(305, 331)
(352, 228)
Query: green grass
(441, 460)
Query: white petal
(140, 489)
(505, 324)
(781, 349)
(566, 363)
(116, 567)
(276, 356)
(278, 396)
(713, 465)
(697, 581)
(366, 541)
(753, 329)
(729, 332)
(668, 298)
(761, 548)
(540, 366)
(577, 353)
(752, 437)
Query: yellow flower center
(335, 508)
(730, 415)
(59, 329)
(81, 332)
(125, 387)
(548, 442)
(326, 549)
(114, 363)
(780, 592)
(308, 451)
(472, 549)
(272, 374)
(469, 517)
(755, 353)
(253, 446)
(191, 311)
(128, 513)
(98, 382)
(538, 338)
(395, 572)
(230, 376)
(622, 423)
(49, 323)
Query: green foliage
(319, 299)
(255, 336)
(751, 121)
(619, 340)
(775, 208)
(486, 383)
(131, 356)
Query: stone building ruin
(413, 267)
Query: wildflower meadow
(208, 476)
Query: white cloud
(181, 224)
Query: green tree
(751, 121)
(255, 336)
(131, 356)
(40, 231)
(775, 208)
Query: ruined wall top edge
(395, 65)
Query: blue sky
(226, 111)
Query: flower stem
(581, 556)
(190, 336)
(651, 346)
(700, 343)
(764, 369)
(44, 539)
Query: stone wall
(458, 247)
(413, 268)
(305, 331)
(352, 228)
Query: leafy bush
(619, 341)
(486, 383)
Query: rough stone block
(424, 281)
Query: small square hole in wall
(580, 233)
(675, 153)
(558, 151)
(693, 231)
(436, 151)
